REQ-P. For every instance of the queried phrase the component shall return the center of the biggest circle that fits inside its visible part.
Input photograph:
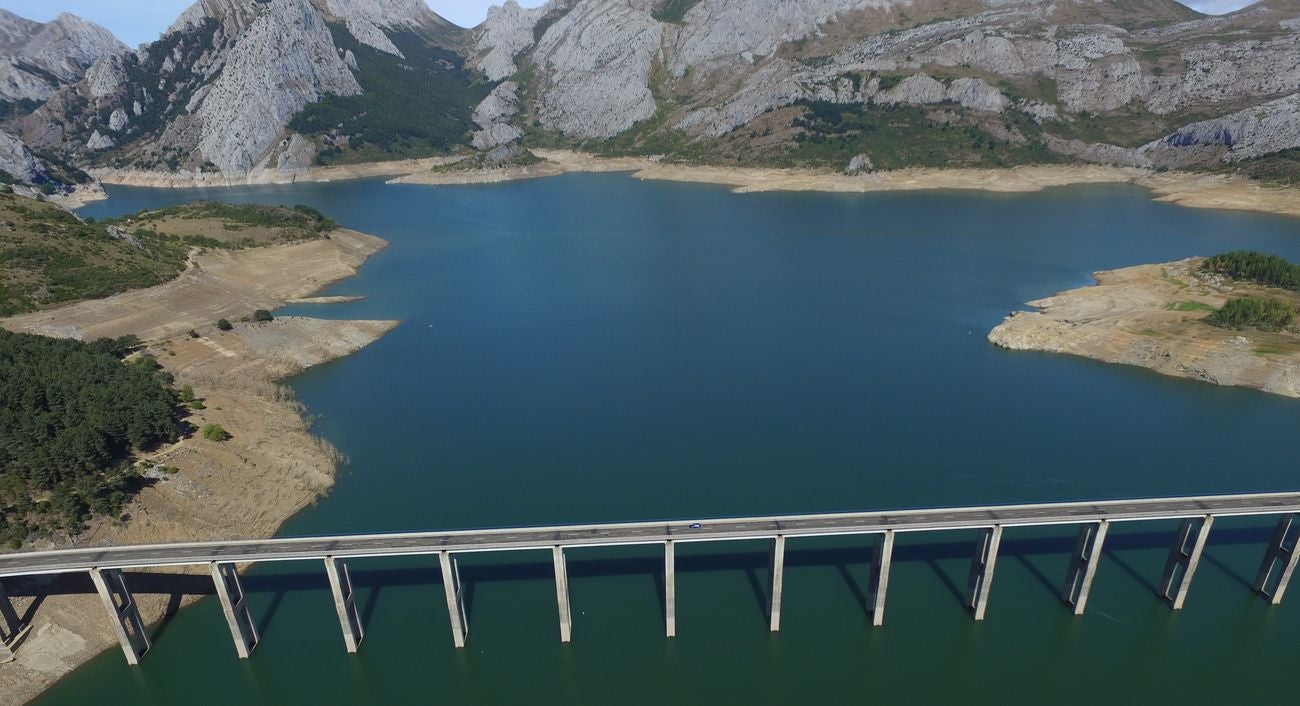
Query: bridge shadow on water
(851, 564)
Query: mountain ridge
(243, 86)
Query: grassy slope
(48, 257)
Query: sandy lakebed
(248, 486)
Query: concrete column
(670, 588)
(231, 593)
(345, 602)
(778, 575)
(455, 598)
(884, 555)
(1183, 560)
(562, 593)
(12, 629)
(981, 570)
(1083, 565)
(122, 612)
(1280, 552)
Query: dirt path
(1150, 316)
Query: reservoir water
(593, 347)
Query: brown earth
(1151, 316)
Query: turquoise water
(593, 347)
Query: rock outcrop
(508, 31)
(1255, 132)
(36, 59)
(594, 68)
(19, 163)
(246, 108)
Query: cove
(593, 347)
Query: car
(696, 525)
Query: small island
(1228, 320)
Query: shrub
(215, 432)
(224, 325)
(262, 316)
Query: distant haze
(139, 21)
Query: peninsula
(1159, 317)
(269, 465)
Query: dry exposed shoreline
(1184, 189)
(248, 486)
(342, 172)
(1150, 316)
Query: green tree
(224, 325)
(262, 316)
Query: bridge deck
(631, 533)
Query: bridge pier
(1280, 551)
(235, 606)
(1174, 583)
(122, 612)
(455, 598)
(777, 565)
(884, 556)
(345, 602)
(12, 628)
(562, 593)
(981, 570)
(670, 588)
(1083, 565)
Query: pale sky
(137, 21)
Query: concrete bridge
(106, 565)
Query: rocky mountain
(239, 86)
(220, 89)
(938, 82)
(36, 59)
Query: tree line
(1268, 270)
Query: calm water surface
(598, 348)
